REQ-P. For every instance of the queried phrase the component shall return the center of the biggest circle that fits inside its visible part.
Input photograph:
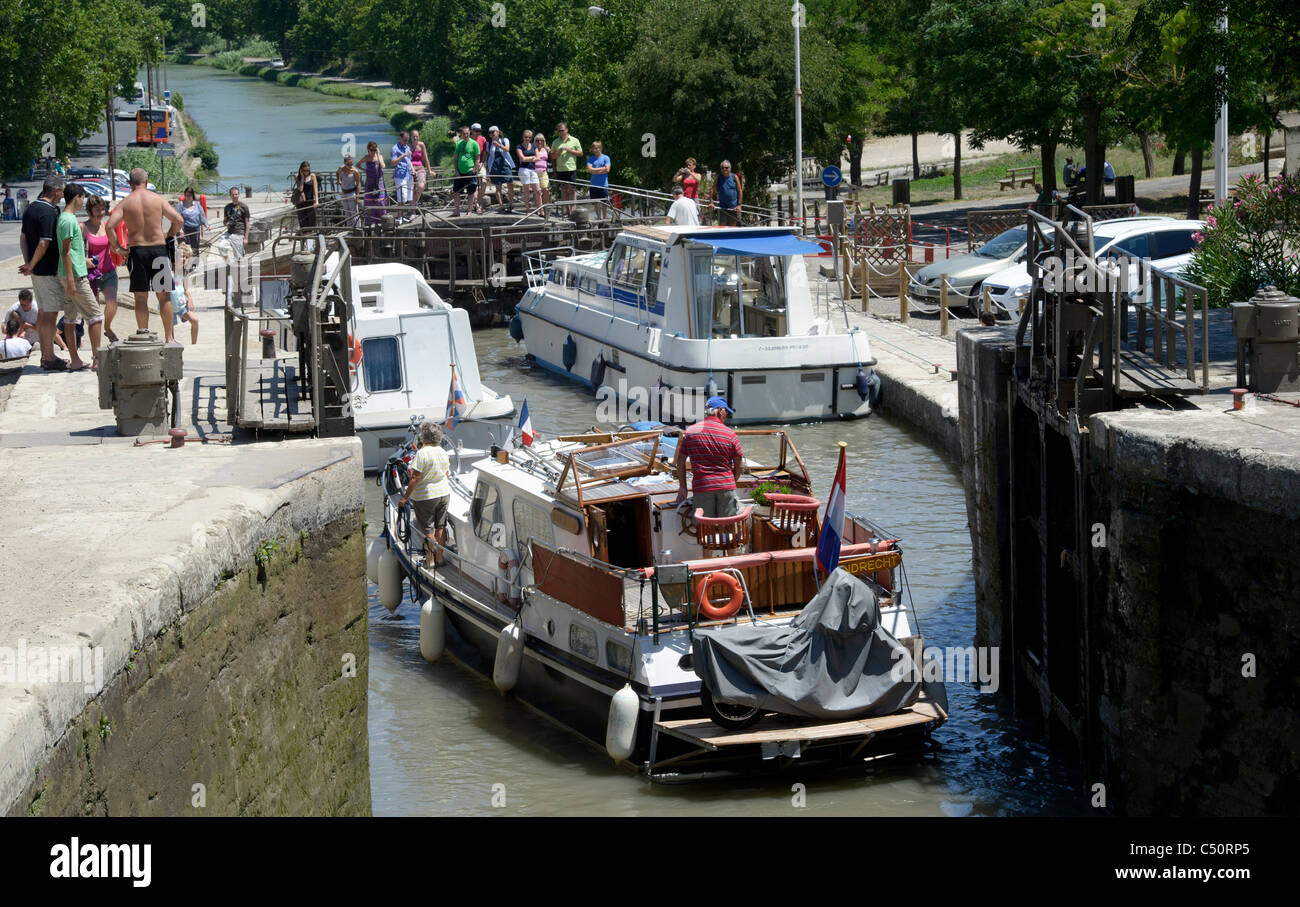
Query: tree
(58, 59)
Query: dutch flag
(828, 545)
(457, 405)
(526, 425)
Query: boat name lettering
(874, 562)
(783, 346)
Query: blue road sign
(831, 175)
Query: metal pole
(1221, 131)
(112, 150)
(798, 117)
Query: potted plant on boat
(758, 494)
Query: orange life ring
(707, 608)
(354, 357)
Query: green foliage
(206, 154)
(758, 494)
(105, 727)
(58, 59)
(1250, 241)
(178, 101)
(265, 551)
(163, 171)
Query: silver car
(966, 273)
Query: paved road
(93, 153)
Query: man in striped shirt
(716, 461)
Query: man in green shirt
(79, 301)
(467, 153)
(566, 151)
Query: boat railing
(538, 263)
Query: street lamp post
(798, 119)
(1221, 131)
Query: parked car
(966, 273)
(277, 63)
(93, 187)
(1165, 242)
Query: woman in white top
(349, 178)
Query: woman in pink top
(103, 278)
(542, 153)
(419, 156)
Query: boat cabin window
(626, 267)
(382, 364)
(739, 295)
(531, 522)
(485, 514)
(653, 265)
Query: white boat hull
(778, 379)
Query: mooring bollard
(178, 436)
(1239, 398)
(943, 305)
(268, 343)
(987, 307)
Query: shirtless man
(147, 259)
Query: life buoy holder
(711, 611)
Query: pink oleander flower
(1211, 220)
(1198, 238)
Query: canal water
(262, 130)
(443, 741)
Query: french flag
(457, 405)
(828, 545)
(526, 425)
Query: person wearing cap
(501, 168)
(716, 461)
(683, 210)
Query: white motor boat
(669, 316)
(409, 341)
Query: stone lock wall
(257, 693)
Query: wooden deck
(781, 729)
(274, 396)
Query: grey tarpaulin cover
(833, 661)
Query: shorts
(108, 284)
(528, 177)
(49, 293)
(716, 503)
(599, 192)
(728, 217)
(150, 269)
(465, 184)
(430, 514)
(502, 178)
(566, 176)
(83, 304)
(544, 179)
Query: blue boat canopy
(751, 244)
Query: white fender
(620, 729)
(433, 629)
(510, 655)
(373, 550)
(390, 580)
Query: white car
(1166, 242)
(277, 63)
